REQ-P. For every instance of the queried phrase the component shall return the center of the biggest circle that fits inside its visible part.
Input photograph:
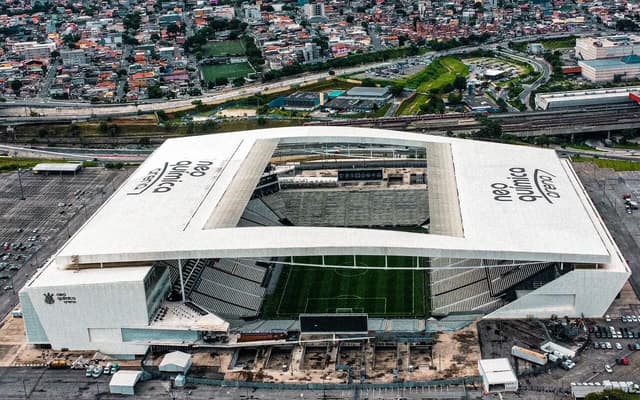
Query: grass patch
(221, 49)
(616, 165)
(549, 44)
(393, 293)
(230, 71)
(582, 146)
(627, 146)
(554, 44)
(412, 106)
(443, 74)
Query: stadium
(273, 228)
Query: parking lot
(398, 70)
(54, 207)
(606, 189)
(590, 363)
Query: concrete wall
(93, 321)
(587, 292)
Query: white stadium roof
(514, 203)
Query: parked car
(97, 371)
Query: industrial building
(611, 69)
(497, 376)
(303, 101)
(57, 168)
(360, 99)
(581, 98)
(189, 246)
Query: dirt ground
(237, 112)
(12, 340)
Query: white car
(608, 368)
(618, 346)
(608, 345)
(607, 318)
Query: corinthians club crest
(48, 298)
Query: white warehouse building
(186, 246)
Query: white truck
(529, 355)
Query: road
(48, 80)
(540, 66)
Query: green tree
(396, 89)
(154, 91)
(173, 29)
(542, 140)
(609, 394)
(132, 21)
(454, 99)
(16, 85)
(70, 39)
(491, 129)
(460, 83)
(368, 82)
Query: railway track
(557, 122)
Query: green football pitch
(378, 292)
(230, 71)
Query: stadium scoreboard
(334, 323)
(363, 174)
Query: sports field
(229, 71)
(224, 48)
(391, 293)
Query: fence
(335, 386)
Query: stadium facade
(197, 236)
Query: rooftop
(57, 167)
(497, 370)
(607, 63)
(184, 201)
(368, 91)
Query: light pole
(20, 182)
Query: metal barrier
(334, 386)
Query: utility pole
(20, 182)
